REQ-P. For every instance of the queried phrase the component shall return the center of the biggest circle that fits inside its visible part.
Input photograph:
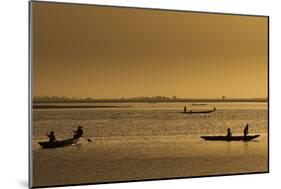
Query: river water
(148, 141)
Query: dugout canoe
(57, 144)
(198, 112)
(232, 138)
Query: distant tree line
(64, 99)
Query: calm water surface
(148, 141)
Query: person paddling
(246, 130)
(52, 137)
(229, 134)
(78, 133)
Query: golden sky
(109, 52)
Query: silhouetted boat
(198, 112)
(232, 138)
(57, 144)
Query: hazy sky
(107, 52)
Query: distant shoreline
(73, 106)
(148, 101)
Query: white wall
(14, 87)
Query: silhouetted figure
(78, 133)
(52, 137)
(246, 130)
(229, 134)
(215, 108)
(184, 109)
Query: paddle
(89, 140)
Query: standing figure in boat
(184, 109)
(52, 137)
(229, 134)
(246, 130)
(78, 133)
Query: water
(148, 141)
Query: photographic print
(123, 94)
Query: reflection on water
(148, 141)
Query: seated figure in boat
(52, 137)
(78, 133)
(229, 134)
(246, 130)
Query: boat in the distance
(230, 138)
(58, 143)
(198, 112)
(185, 111)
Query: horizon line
(139, 97)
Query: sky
(109, 52)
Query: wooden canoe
(198, 112)
(58, 144)
(232, 138)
